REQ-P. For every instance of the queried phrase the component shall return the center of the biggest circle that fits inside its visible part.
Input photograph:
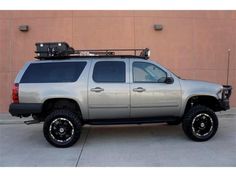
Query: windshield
(176, 75)
(169, 71)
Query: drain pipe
(227, 82)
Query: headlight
(219, 93)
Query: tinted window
(109, 71)
(147, 72)
(53, 72)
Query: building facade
(193, 44)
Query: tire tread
(72, 117)
(187, 122)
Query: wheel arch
(62, 103)
(210, 101)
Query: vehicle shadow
(160, 132)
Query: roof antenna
(228, 62)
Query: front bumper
(224, 104)
(224, 101)
(25, 109)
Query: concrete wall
(193, 44)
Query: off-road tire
(73, 125)
(190, 123)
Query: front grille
(227, 90)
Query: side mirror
(169, 80)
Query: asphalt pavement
(149, 145)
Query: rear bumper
(25, 109)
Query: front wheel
(200, 123)
(62, 128)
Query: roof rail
(62, 50)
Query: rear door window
(109, 71)
(53, 72)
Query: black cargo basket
(53, 49)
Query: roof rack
(62, 50)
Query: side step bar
(29, 122)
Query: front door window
(148, 73)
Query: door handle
(139, 89)
(97, 89)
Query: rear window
(109, 71)
(53, 72)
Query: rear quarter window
(53, 72)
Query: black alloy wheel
(62, 128)
(200, 123)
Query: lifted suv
(66, 89)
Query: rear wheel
(200, 123)
(62, 128)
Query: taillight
(15, 93)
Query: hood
(201, 87)
(200, 83)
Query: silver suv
(66, 90)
